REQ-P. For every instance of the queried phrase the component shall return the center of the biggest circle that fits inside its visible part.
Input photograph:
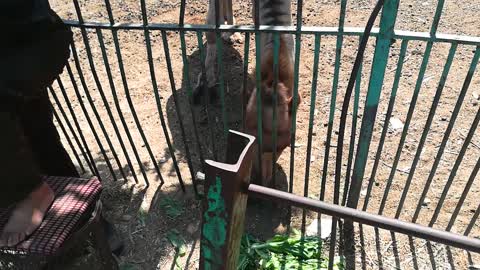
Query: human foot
(27, 216)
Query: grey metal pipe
(394, 225)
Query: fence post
(225, 203)
(380, 59)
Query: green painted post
(225, 203)
(380, 58)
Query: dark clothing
(31, 57)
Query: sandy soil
(139, 213)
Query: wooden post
(225, 203)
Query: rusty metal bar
(394, 225)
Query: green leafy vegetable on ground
(286, 252)
(178, 243)
(173, 208)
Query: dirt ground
(147, 215)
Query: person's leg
(22, 186)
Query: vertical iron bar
(427, 126)
(69, 141)
(453, 118)
(186, 77)
(313, 99)
(181, 18)
(89, 121)
(127, 93)
(177, 105)
(406, 126)
(130, 103)
(453, 172)
(207, 98)
(156, 91)
(86, 154)
(353, 134)
(119, 111)
(276, 49)
(382, 49)
(258, 83)
(107, 106)
(116, 101)
(296, 68)
(92, 105)
(473, 174)
(338, 51)
(90, 100)
(246, 50)
(333, 100)
(343, 120)
(391, 103)
(221, 83)
(158, 101)
(473, 221)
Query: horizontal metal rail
(394, 225)
(332, 31)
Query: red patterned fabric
(73, 197)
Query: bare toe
(15, 238)
(10, 239)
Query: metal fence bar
(258, 83)
(380, 58)
(455, 167)
(206, 98)
(131, 105)
(341, 134)
(186, 76)
(109, 111)
(158, 101)
(427, 126)
(85, 154)
(276, 49)
(221, 82)
(95, 112)
(178, 110)
(69, 141)
(406, 126)
(100, 89)
(75, 121)
(114, 94)
(338, 53)
(468, 185)
(436, 18)
(391, 224)
(127, 95)
(411, 108)
(313, 99)
(181, 17)
(353, 134)
(118, 109)
(246, 49)
(323, 30)
(451, 123)
(89, 121)
(473, 221)
(391, 103)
